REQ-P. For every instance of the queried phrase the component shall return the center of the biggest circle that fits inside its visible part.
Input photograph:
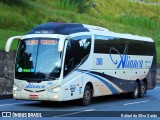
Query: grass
(155, 1)
(125, 16)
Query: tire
(142, 90)
(44, 102)
(87, 96)
(135, 93)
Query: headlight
(55, 90)
(15, 88)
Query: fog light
(14, 94)
(55, 96)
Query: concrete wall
(7, 61)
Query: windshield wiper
(22, 76)
(45, 76)
(49, 77)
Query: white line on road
(69, 114)
(90, 110)
(15, 104)
(136, 102)
(74, 113)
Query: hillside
(126, 16)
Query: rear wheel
(142, 89)
(87, 96)
(135, 93)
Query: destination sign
(42, 42)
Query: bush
(81, 5)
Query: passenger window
(77, 52)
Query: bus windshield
(38, 59)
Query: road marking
(69, 114)
(15, 104)
(136, 102)
(90, 110)
(74, 113)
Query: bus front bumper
(39, 96)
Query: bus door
(77, 52)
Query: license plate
(33, 96)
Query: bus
(68, 61)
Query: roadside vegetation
(20, 16)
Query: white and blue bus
(61, 62)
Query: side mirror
(9, 42)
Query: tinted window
(77, 52)
(105, 46)
(123, 46)
(140, 48)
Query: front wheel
(87, 96)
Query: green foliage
(138, 21)
(13, 2)
(5, 34)
(156, 1)
(20, 16)
(81, 6)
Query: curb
(7, 96)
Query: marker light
(15, 88)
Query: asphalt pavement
(107, 107)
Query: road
(100, 106)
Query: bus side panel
(151, 79)
(99, 88)
(123, 78)
(131, 59)
(152, 74)
(72, 86)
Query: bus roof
(71, 28)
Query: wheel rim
(136, 91)
(87, 96)
(143, 89)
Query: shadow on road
(75, 103)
